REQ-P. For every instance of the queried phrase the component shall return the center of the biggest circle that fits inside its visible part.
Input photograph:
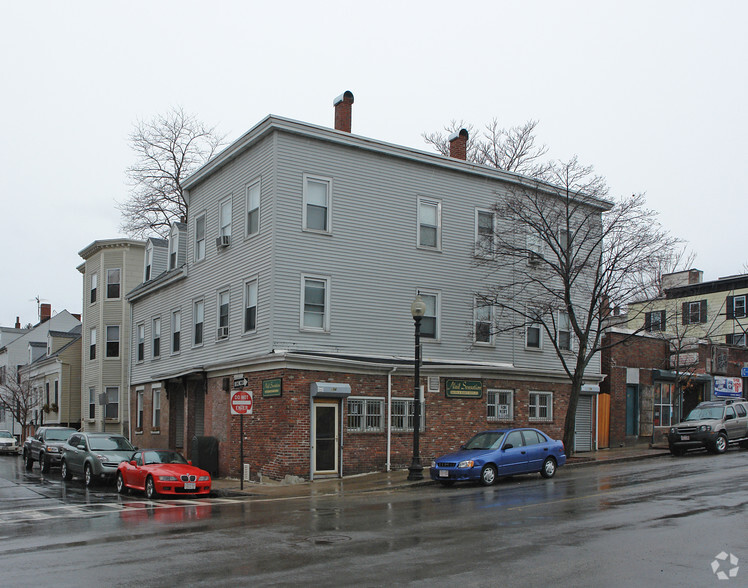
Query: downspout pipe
(389, 420)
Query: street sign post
(241, 404)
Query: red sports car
(161, 471)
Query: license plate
(190, 485)
(685, 437)
(443, 474)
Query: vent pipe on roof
(458, 144)
(343, 111)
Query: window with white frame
(94, 287)
(736, 307)
(540, 406)
(564, 331)
(57, 393)
(176, 331)
(735, 339)
(500, 405)
(223, 314)
(483, 322)
(139, 409)
(315, 303)
(535, 248)
(694, 312)
(141, 342)
(401, 419)
(317, 204)
(654, 321)
(429, 223)
(148, 261)
(113, 278)
(111, 409)
(156, 334)
(563, 239)
(173, 247)
(156, 404)
(92, 343)
(430, 319)
(253, 208)
(663, 404)
(200, 237)
(198, 321)
(485, 227)
(365, 415)
(92, 403)
(533, 332)
(250, 305)
(224, 218)
(112, 341)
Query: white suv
(8, 443)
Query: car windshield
(705, 413)
(57, 435)
(163, 457)
(6, 435)
(110, 444)
(487, 440)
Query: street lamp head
(418, 308)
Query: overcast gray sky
(653, 94)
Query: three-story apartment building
(293, 279)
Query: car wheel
(488, 475)
(65, 472)
(43, 463)
(88, 476)
(677, 451)
(121, 488)
(720, 444)
(549, 468)
(150, 489)
(29, 462)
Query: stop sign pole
(241, 404)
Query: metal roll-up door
(583, 432)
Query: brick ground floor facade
(315, 418)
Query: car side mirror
(189, 461)
(507, 446)
(82, 447)
(132, 463)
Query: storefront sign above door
(464, 388)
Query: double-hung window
(485, 227)
(253, 208)
(198, 315)
(200, 237)
(139, 410)
(483, 321)
(112, 283)
(429, 223)
(564, 331)
(315, 312)
(148, 261)
(365, 415)
(176, 330)
(500, 405)
(533, 332)
(156, 404)
(112, 341)
(111, 408)
(540, 406)
(654, 321)
(224, 218)
(156, 333)
(694, 312)
(223, 314)
(94, 287)
(317, 204)
(92, 403)
(430, 320)
(141, 342)
(736, 307)
(92, 344)
(250, 306)
(173, 247)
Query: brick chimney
(343, 111)
(18, 322)
(458, 144)
(45, 312)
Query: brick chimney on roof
(18, 322)
(458, 144)
(343, 111)
(45, 312)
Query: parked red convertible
(161, 471)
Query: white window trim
(537, 419)
(326, 321)
(247, 188)
(106, 343)
(219, 293)
(497, 391)
(438, 204)
(491, 341)
(119, 403)
(322, 179)
(251, 280)
(570, 331)
(539, 326)
(139, 407)
(409, 402)
(94, 285)
(229, 200)
(160, 337)
(154, 389)
(535, 248)
(382, 414)
(172, 331)
(479, 250)
(93, 342)
(438, 295)
(744, 313)
(148, 265)
(173, 248)
(194, 323)
(106, 292)
(202, 215)
(137, 342)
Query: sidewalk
(398, 478)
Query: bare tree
(169, 148)
(560, 252)
(513, 149)
(17, 397)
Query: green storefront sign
(464, 389)
(271, 388)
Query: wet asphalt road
(660, 520)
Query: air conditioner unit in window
(223, 241)
(222, 333)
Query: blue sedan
(500, 452)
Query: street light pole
(415, 471)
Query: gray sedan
(95, 456)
